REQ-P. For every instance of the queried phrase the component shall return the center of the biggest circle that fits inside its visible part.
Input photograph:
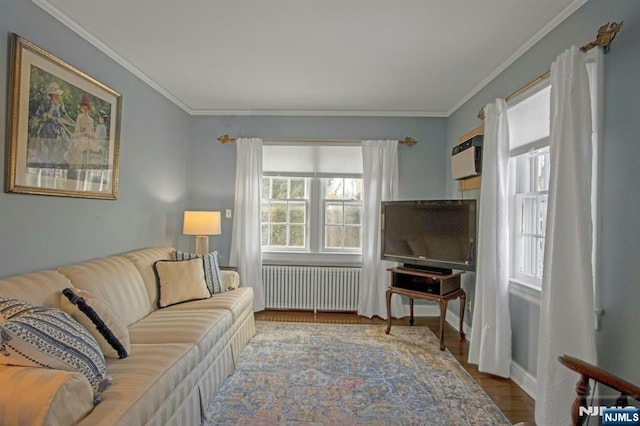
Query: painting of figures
(64, 129)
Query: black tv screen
(436, 235)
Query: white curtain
(246, 250)
(566, 311)
(380, 183)
(490, 346)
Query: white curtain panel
(566, 311)
(246, 249)
(490, 346)
(380, 183)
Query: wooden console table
(416, 284)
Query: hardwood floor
(515, 403)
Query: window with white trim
(529, 131)
(311, 199)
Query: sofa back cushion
(143, 260)
(39, 288)
(117, 281)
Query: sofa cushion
(39, 336)
(180, 281)
(143, 261)
(236, 301)
(203, 328)
(99, 318)
(41, 396)
(212, 273)
(117, 281)
(150, 378)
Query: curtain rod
(605, 36)
(409, 141)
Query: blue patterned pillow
(38, 336)
(212, 274)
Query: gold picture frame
(63, 136)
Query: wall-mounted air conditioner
(466, 158)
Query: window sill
(320, 259)
(525, 291)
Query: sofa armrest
(230, 277)
(42, 396)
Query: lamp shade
(201, 223)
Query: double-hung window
(311, 201)
(529, 132)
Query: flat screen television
(434, 235)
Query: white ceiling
(314, 57)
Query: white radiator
(317, 288)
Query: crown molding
(319, 112)
(557, 20)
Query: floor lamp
(201, 224)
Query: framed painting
(63, 135)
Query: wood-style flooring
(515, 403)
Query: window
(311, 200)
(530, 168)
(284, 212)
(342, 207)
(532, 187)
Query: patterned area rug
(319, 374)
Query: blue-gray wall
(39, 232)
(619, 337)
(212, 167)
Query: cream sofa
(180, 355)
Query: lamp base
(202, 244)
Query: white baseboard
(524, 379)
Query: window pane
(528, 215)
(279, 188)
(296, 236)
(542, 171)
(296, 212)
(540, 256)
(333, 214)
(353, 189)
(333, 236)
(278, 235)
(528, 264)
(542, 214)
(278, 213)
(265, 235)
(264, 213)
(266, 188)
(352, 214)
(298, 189)
(334, 188)
(352, 237)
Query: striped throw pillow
(212, 274)
(39, 336)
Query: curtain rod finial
(481, 114)
(409, 141)
(606, 34)
(225, 138)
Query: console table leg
(388, 311)
(443, 315)
(463, 303)
(411, 311)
